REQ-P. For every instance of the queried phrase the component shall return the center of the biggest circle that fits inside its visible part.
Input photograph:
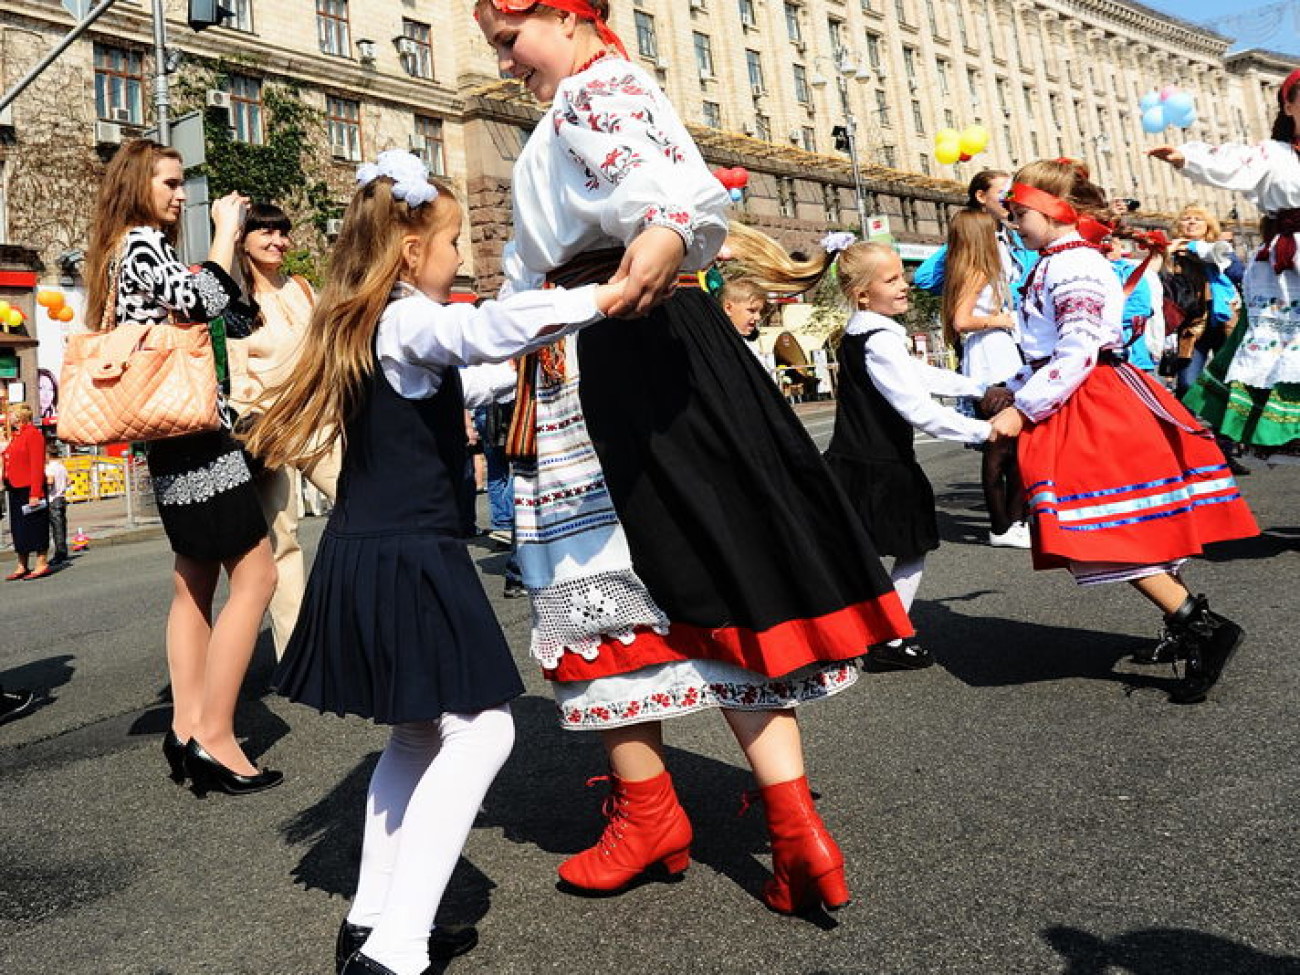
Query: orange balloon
(46, 298)
(65, 314)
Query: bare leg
(230, 649)
(1165, 590)
(189, 627)
(771, 743)
(636, 752)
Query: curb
(125, 536)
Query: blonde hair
(1213, 229)
(973, 263)
(125, 200)
(1070, 179)
(742, 289)
(306, 414)
(769, 266)
(21, 413)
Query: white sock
(424, 795)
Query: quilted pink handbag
(137, 381)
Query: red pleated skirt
(1123, 473)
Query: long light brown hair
(973, 263)
(765, 262)
(125, 201)
(305, 415)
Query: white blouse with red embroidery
(609, 159)
(1267, 173)
(1073, 309)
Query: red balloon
(964, 157)
(741, 176)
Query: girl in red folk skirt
(681, 540)
(1124, 484)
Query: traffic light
(206, 13)
(841, 136)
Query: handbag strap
(108, 318)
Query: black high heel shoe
(445, 942)
(174, 752)
(209, 775)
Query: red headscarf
(1284, 93)
(579, 8)
(1090, 228)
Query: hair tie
(407, 171)
(837, 241)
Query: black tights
(1000, 477)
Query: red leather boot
(647, 826)
(807, 866)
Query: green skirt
(1245, 414)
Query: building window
(900, 9)
(246, 108)
(713, 115)
(973, 83)
(1028, 93)
(945, 82)
(909, 62)
(119, 85)
(785, 199)
(762, 127)
(1003, 97)
(703, 54)
(754, 61)
(646, 44)
(792, 28)
(925, 164)
(4, 213)
(332, 27)
(933, 17)
(889, 155)
(882, 107)
(809, 139)
(949, 119)
(1054, 106)
(873, 50)
(918, 117)
(961, 28)
(416, 49)
(747, 16)
(429, 144)
(239, 15)
(835, 28)
(343, 122)
(801, 85)
(831, 202)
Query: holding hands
(1008, 423)
(648, 273)
(995, 400)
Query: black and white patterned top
(153, 282)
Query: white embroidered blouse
(1267, 173)
(608, 159)
(1073, 309)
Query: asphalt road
(1030, 805)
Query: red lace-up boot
(807, 866)
(647, 826)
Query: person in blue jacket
(1137, 309)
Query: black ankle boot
(445, 942)
(1207, 641)
(209, 775)
(174, 752)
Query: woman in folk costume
(1256, 400)
(1123, 483)
(682, 542)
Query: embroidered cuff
(674, 218)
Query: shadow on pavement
(1163, 951)
(41, 677)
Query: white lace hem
(576, 615)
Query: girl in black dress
(202, 482)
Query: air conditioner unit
(333, 226)
(218, 99)
(122, 116)
(108, 134)
(913, 84)
(346, 152)
(748, 128)
(795, 135)
(697, 5)
(800, 45)
(760, 92)
(407, 46)
(661, 64)
(7, 117)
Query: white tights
(424, 795)
(906, 576)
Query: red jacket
(25, 461)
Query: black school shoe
(15, 704)
(444, 943)
(1208, 641)
(908, 655)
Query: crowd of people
(637, 451)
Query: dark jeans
(59, 528)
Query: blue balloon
(1148, 101)
(736, 195)
(1153, 119)
(1177, 104)
(1187, 121)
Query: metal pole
(851, 130)
(78, 29)
(161, 94)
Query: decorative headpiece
(1090, 228)
(837, 241)
(579, 8)
(409, 175)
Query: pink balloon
(1166, 91)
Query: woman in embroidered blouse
(681, 540)
(202, 483)
(1257, 400)
(1123, 483)
(259, 363)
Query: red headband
(1090, 228)
(1284, 93)
(579, 8)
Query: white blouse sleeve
(418, 338)
(625, 138)
(518, 276)
(1232, 166)
(487, 384)
(1080, 314)
(894, 373)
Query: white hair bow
(409, 175)
(835, 242)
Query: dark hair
(980, 183)
(266, 216)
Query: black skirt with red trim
(733, 521)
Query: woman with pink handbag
(202, 482)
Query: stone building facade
(762, 83)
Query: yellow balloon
(946, 135)
(14, 317)
(947, 153)
(974, 139)
(4, 308)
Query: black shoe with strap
(908, 655)
(15, 704)
(1208, 641)
(445, 942)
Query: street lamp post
(846, 65)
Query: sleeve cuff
(674, 218)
